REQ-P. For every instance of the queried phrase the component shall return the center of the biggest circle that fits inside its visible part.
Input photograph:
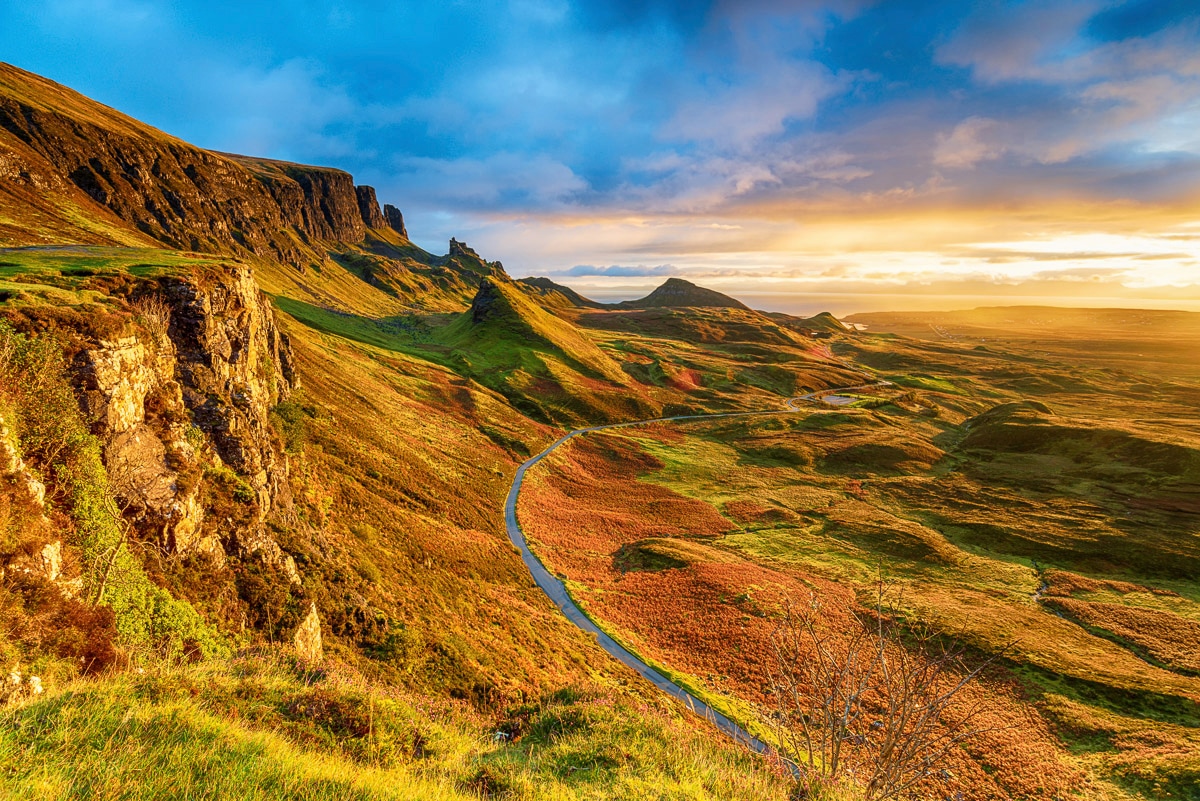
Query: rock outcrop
(368, 207)
(395, 219)
(141, 186)
(307, 638)
(188, 398)
(145, 454)
(233, 366)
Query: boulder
(307, 639)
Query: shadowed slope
(78, 171)
(557, 296)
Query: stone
(307, 639)
(460, 249)
(51, 560)
(117, 376)
(196, 392)
(368, 207)
(395, 219)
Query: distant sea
(843, 305)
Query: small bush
(290, 419)
(225, 480)
(57, 443)
(154, 314)
(274, 605)
(402, 647)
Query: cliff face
(183, 409)
(395, 219)
(368, 207)
(137, 185)
(318, 202)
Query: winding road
(557, 591)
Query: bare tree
(866, 706)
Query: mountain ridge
(150, 187)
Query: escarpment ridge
(72, 169)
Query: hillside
(557, 296)
(248, 426)
(678, 293)
(75, 171)
(256, 448)
(544, 365)
(159, 189)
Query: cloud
(1007, 41)
(284, 110)
(623, 271)
(774, 137)
(498, 180)
(1139, 91)
(738, 113)
(973, 140)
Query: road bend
(556, 591)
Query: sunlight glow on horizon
(937, 259)
(1007, 148)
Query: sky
(861, 155)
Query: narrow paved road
(557, 592)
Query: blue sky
(913, 148)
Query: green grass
(397, 333)
(258, 727)
(78, 260)
(928, 383)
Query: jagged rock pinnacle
(395, 219)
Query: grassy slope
(969, 521)
(263, 728)
(407, 462)
(402, 474)
(503, 323)
(399, 470)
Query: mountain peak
(676, 292)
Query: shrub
(401, 646)
(290, 419)
(274, 605)
(866, 706)
(57, 443)
(154, 314)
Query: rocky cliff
(395, 219)
(183, 410)
(368, 207)
(114, 180)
